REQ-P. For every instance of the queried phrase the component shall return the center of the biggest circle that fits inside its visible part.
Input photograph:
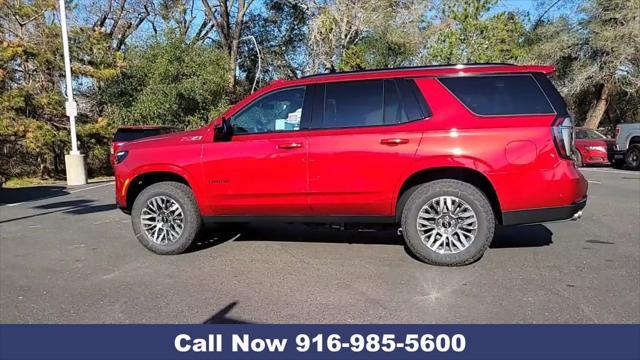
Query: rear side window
(123, 135)
(393, 110)
(353, 104)
(370, 103)
(499, 95)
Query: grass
(28, 181)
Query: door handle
(290, 146)
(394, 141)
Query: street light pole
(74, 161)
(255, 43)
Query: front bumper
(534, 216)
(122, 208)
(596, 157)
(618, 156)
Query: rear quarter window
(499, 94)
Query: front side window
(499, 95)
(277, 111)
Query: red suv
(447, 152)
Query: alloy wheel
(447, 224)
(162, 220)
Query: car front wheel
(165, 217)
(448, 222)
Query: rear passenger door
(365, 134)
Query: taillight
(563, 136)
(617, 131)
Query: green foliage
(471, 31)
(96, 142)
(173, 69)
(167, 82)
(381, 49)
(281, 33)
(597, 53)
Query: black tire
(632, 157)
(464, 191)
(578, 159)
(181, 194)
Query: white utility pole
(74, 161)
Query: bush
(169, 83)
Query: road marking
(68, 193)
(91, 187)
(594, 182)
(626, 172)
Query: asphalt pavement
(67, 255)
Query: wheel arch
(461, 173)
(147, 178)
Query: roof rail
(420, 67)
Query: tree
(612, 56)
(597, 54)
(351, 34)
(32, 115)
(228, 17)
(335, 26)
(394, 42)
(465, 31)
(119, 19)
(168, 82)
(281, 34)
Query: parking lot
(68, 256)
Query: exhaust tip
(577, 216)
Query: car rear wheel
(632, 157)
(165, 218)
(448, 222)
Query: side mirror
(223, 131)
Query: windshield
(124, 135)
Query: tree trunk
(595, 112)
(233, 59)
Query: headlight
(597, 148)
(121, 155)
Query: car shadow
(22, 194)
(535, 235)
(73, 207)
(213, 235)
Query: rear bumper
(533, 216)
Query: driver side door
(262, 169)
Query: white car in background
(627, 148)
